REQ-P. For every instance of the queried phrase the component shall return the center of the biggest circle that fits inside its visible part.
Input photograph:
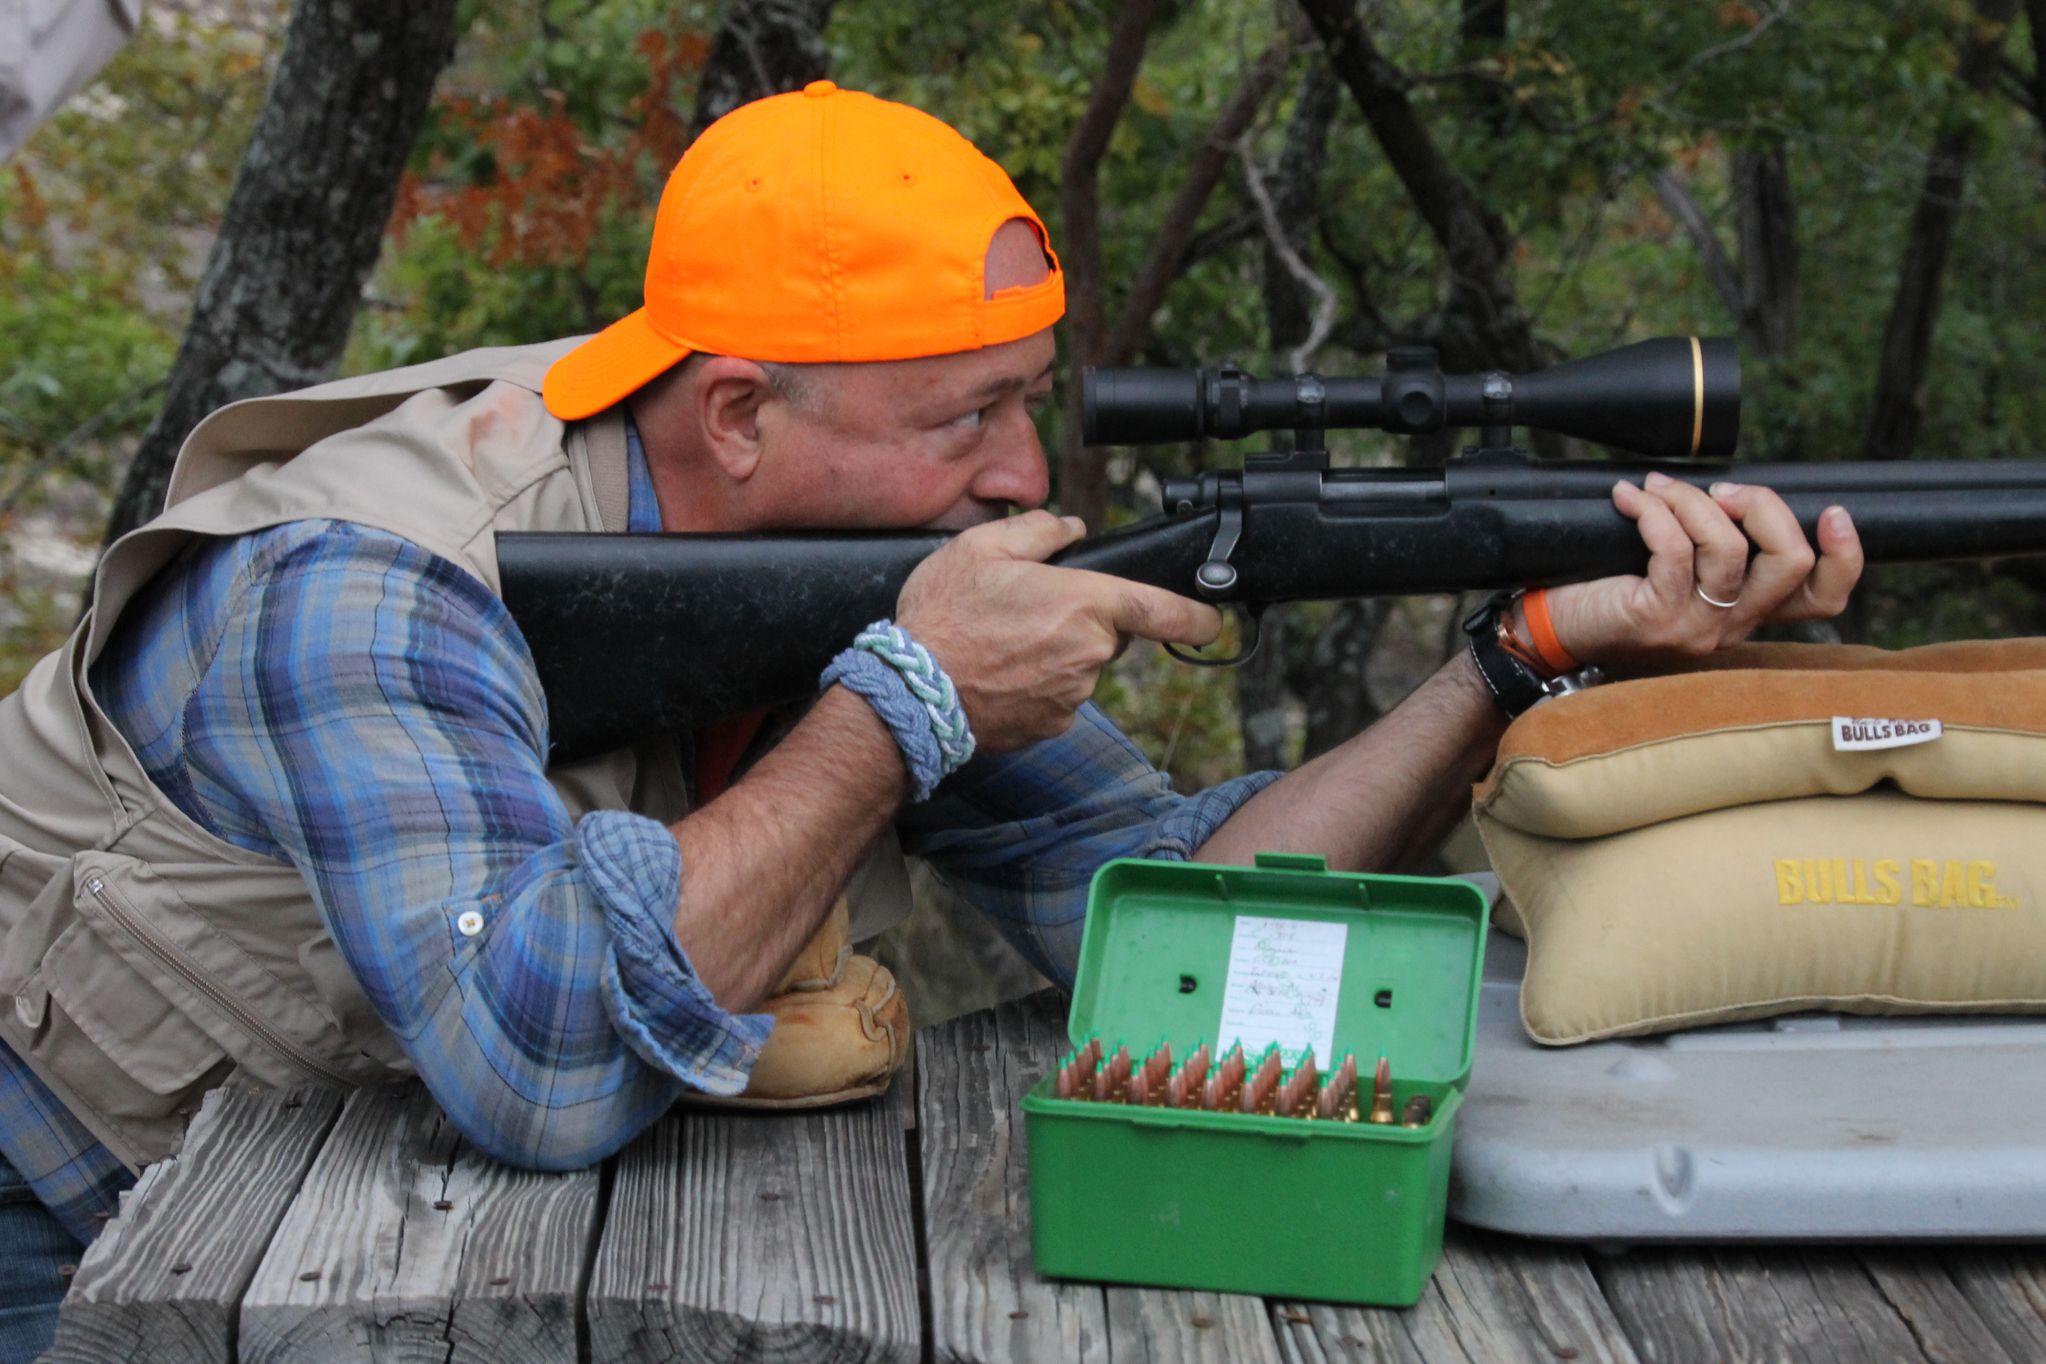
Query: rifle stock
(633, 634)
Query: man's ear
(729, 394)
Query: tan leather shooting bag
(1788, 827)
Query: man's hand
(1025, 642)
(1699, 541)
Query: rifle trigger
(1254, 624)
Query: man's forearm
(1387, 795)
(762, 863)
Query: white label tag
(1284, 976)
(1854, 734)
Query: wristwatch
(1513, 682)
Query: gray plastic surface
(1809, 1127)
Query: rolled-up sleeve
(1021, 834)
(373, 716)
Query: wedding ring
(1711, 600)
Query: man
(283, 802)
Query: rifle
(639, 633)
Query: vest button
(470, 923)
(29, 1010)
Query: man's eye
(971, 421)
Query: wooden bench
(306, 1227)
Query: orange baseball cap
(817, 226)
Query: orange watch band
(1553, 655)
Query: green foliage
(530, 201)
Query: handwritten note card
(1284, 976)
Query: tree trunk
(1768, 229)
(1295, 186)
(763, 47)
(1331, 682)
(1475, 242)
(1480, 35)
(1083, 472)
(1899, 406)
(304, 221)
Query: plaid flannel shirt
(336, 697)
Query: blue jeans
(32, 1245)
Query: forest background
(1849, 187)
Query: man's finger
(1139, 609)
(1670, 550)
(1035, 535)
(1784, 557)
(1720, 562)
(1839, 568)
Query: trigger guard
(1255, 616)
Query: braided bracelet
(910, 692)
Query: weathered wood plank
(2008, 1289)
(987, 1303)
(164, 1280)
(1493, 1300)
(1946, 1325)
(785, 1236)
(1170, 1325)
(405, 1243)
(1820, 1306)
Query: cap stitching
(828, 229)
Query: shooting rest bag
(1712, 845)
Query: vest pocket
(123, 1015)
(134, 943)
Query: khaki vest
(145, 958)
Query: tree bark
(1760, 292)
(1767, 218)
(1899, 406)
(2035, 14)
(304, 221)
(763, 47)
(1676, 198)
(1262, 692)
(1480, 34)
(1473, 239)
(1083, 472)
(1331, 682)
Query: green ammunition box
(1291, 1207)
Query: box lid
(1285, 951)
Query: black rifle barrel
(632, 634)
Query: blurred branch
(763, 47)
(99, 421)
(1167, 256)
(1471, 236)
(1676, 197)
(1301, 357)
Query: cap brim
(611, 364)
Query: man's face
(944, 442)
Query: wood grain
(1492, 1300)
(406, 1243)
(1815, 1306)
(783, 1236)
(987, 1303)
(164, 1279)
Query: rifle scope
(1670, 397)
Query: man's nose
(1015, 471)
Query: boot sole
(740, 1101)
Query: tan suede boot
(841, 1028)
